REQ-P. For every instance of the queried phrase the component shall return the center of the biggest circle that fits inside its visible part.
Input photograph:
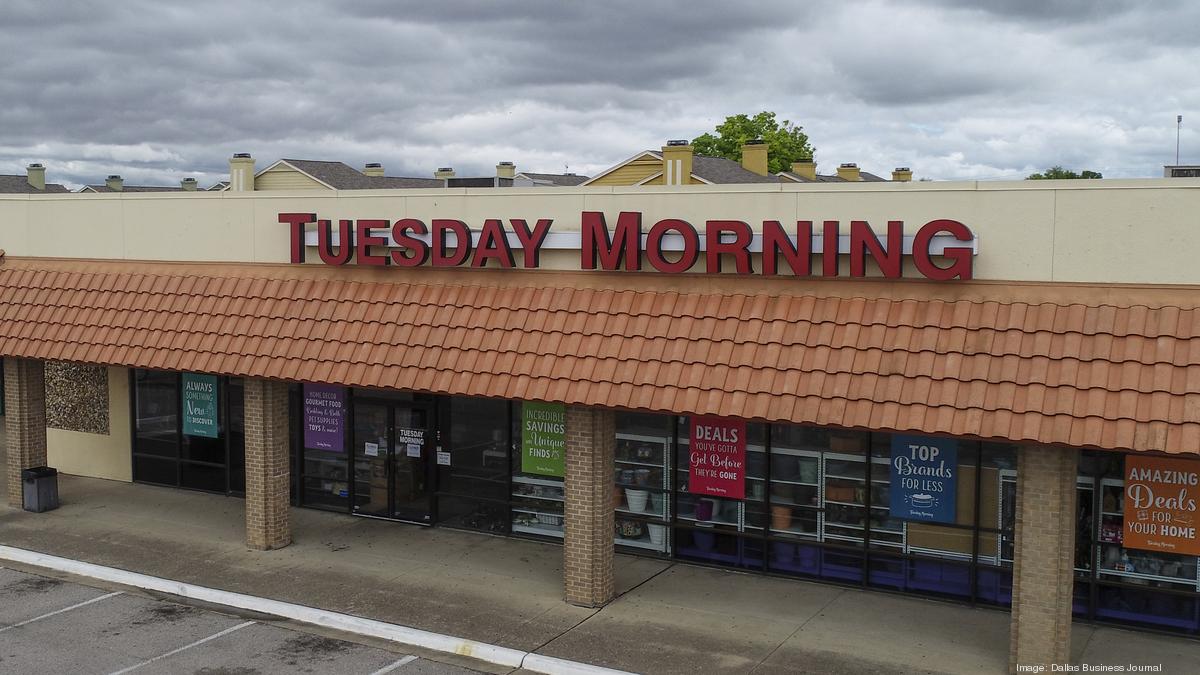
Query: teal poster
(200, 405)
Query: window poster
(543, 438)
(1161, 496)
(924, 478)
(717, 457)
(200, 405)
(324, 417)
(411, 440)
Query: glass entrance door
(411, 465)
(392, 468)
(372, 473)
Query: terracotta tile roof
(1113, 367)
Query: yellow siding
(632, 173)
(286, 178)
(657, 181)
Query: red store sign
(717, 457)
(670, 245)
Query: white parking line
(59, 611)
(402, 662)
(173, 652)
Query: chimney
(902, 174)
(506, 170)
(373, 169)
(114, 183)
(754, 157)
(36, 175)
(849, 172)
(805, 168)
(241, 173)
(444, 172)
(188, 184)
(677, 163)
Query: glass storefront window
(166, 452)
(474, 489)
(642, 481)
(156, 414)
(324, 471)
(716, 529)
(1130, 585)
(538, 496)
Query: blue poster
(924, 478)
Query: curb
(502, 656)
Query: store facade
(984, 393)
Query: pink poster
(717, 458)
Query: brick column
(24, 420)
(588, 544)
(1044, 559)
(267, 471)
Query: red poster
(1161, 500)
(718, 457)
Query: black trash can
(40, 487)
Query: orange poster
(1161, 498)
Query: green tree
(786, 142)
(1058, 173)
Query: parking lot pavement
(52, 626)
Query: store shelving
(537, 506)
(641, 492)
(844, 495)
(795, 490)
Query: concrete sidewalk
(669, 618)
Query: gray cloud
(159, 91)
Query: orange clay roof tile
(1039, 364)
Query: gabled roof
(341, 176)
(559, 179)
(218, 186)
(1084, 365)
(718, 170)
(643, 154)
(19, 185)
(713, 170)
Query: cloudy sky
(157, 91)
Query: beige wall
(98, 455)
(1109, 231)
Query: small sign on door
(443, 458)
(371, 449)
(414, 449)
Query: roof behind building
(20, 185)
(867, 177)
(720, 170)
(341, 176)
(132, 188)
(560, 179)
(1085, 366)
